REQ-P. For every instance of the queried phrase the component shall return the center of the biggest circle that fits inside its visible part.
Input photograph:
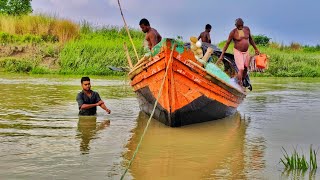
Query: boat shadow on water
(215, 149)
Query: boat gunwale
(193, 68)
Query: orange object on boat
(261, 61)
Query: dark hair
(85, 79)
(208, 26)
(238, 20)
(144, 21)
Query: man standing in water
(242, 38)
(88, 100)
(152, 35)
(205, 35)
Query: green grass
(296, 161)
(48, 28)
(86, 50)
(94, 51)
(16, 65)
(288, 61)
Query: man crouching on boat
(242, 38)
(88, 100)
(152, 36)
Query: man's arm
(208, 37)
(81, 104)
(253, 43)
(231, 35)
(88, 106)
(103, 106)
(153, 39)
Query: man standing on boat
(242, 38)
(205, 35)
(88, 100)
(152, 35)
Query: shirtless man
(205, 35)
(242, 38)
(152, 36)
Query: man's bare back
(205, 35)
(153, 38)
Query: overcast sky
(285, 21)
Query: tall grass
(299, 161)
(95, 50)
(40, 25)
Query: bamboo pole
(126, 26)
(127, 54)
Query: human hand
(257, 52)
(108, 111)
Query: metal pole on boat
(127, 29)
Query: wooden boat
(190, 94)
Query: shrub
(261, 40)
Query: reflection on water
(298, 174)
(42, 136)
(210, 150)
(87, 128)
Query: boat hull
(189, 94)
(199, 110)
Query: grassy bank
(95, 50)
(44, 44)
(289, 61)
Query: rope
(127, 29)
(154, 108)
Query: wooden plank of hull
(199, 110)
(189, 94)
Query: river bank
(47, 45)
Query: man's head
(208, 27)
(85, 83)
(239, 23)
(144, 25)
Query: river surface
(42, 136)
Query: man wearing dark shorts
(88, 100)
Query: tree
(15, 7)
(261, 40)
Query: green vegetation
(261, 40)
(299, 161)
(95, 50)
(15, 7)
(42, 27)
(53, 45)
